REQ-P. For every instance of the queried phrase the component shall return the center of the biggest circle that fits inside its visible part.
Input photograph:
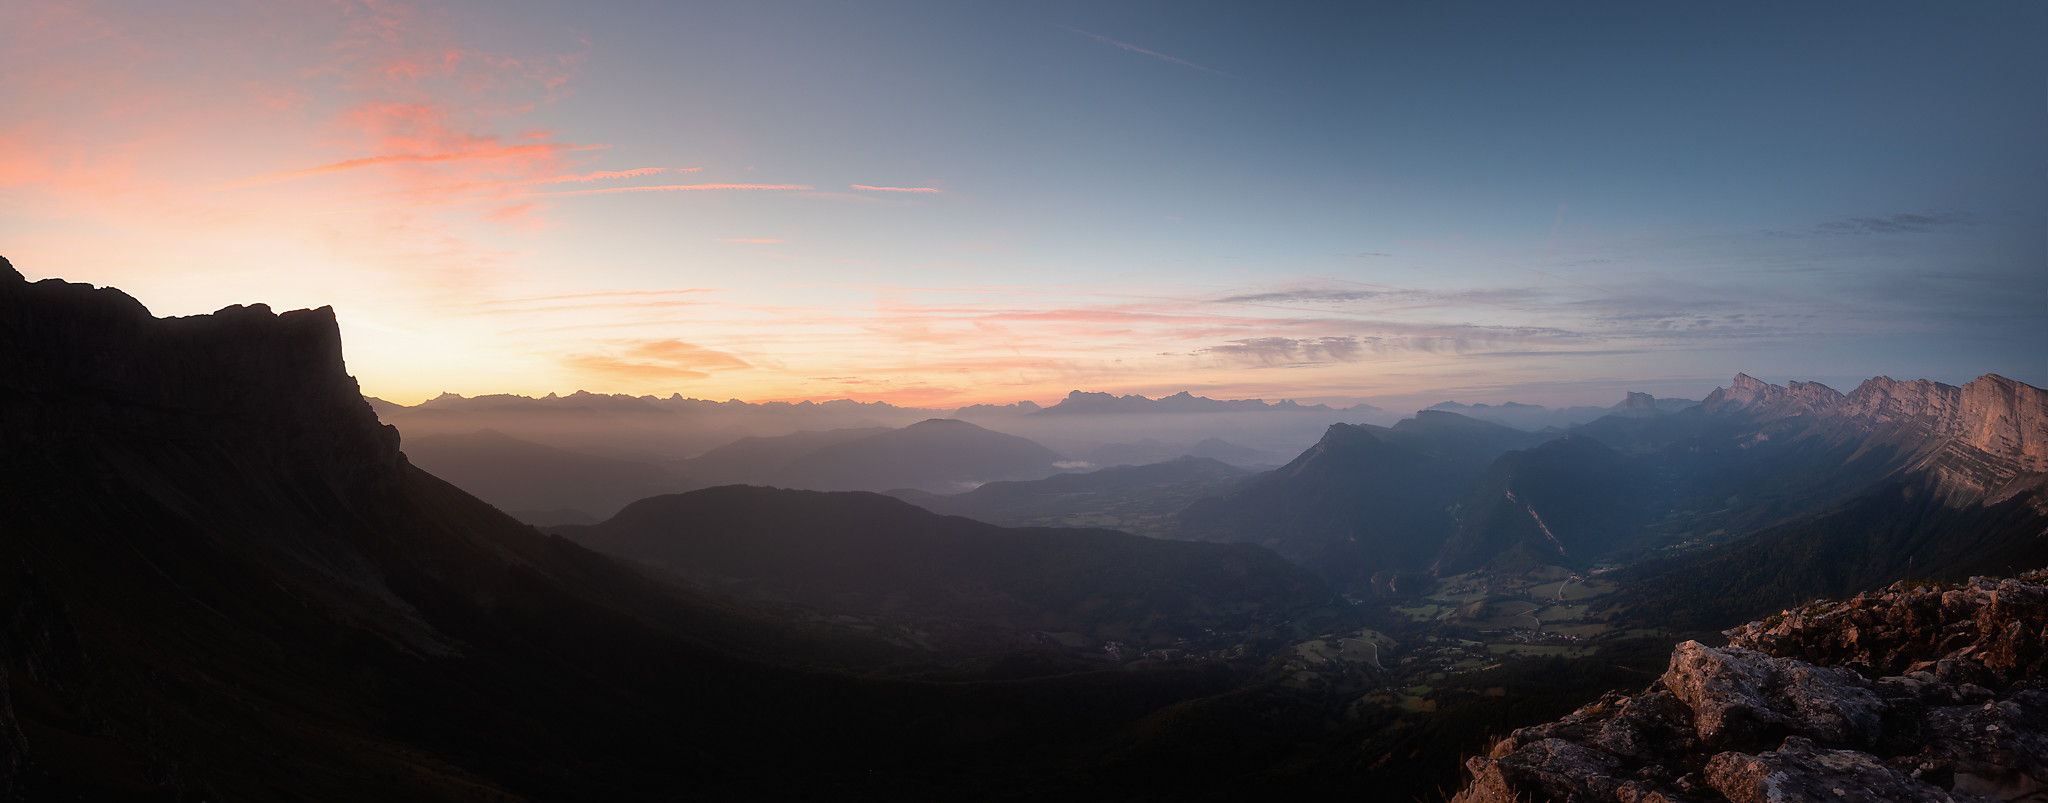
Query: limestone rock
(1738, 695)
(1799, 771)
(1911, 693)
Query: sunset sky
(942, 204)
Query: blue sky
(939, 204)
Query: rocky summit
(1916, 692)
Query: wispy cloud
(489, 150)
(679, 188)
(896, 189)
(600, 299)
(645, 362)
(1903, 223)
(1303, 295)
(1154, 54)
(1276, 350)
(606, 175)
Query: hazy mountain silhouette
(1139, 499)
(1086, 403)
(755, 460)
(1534, 417)
(654, 429)
(1754, 470)
(1364, 500)
(540, 484)
(939, 455)
(1561, 503)
(1150, 450)
(936, 455)
(959, 581)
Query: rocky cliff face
(1985, 440)
(2006, 420)
(1911, 693)
(1753, 396)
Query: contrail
(1161, 56)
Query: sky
(940, 204)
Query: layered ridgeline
(935, 455)
(1537, 417)
(1133, 498)
(950, 584)
(1917, 692)
(223, 580)
(1799, 491)
(537, 483)
(546, 485)
(1365, 500)
(501, 446)
(1782, 492)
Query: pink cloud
(606, 175)
(655, 362)
(489, 151)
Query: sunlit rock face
(1911, 693)
(1747, 394)
(1984, 441)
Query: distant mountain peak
(1094, 402)
(1757, 397)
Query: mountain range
(1535, 417)
(1754, 469)
(223, 577)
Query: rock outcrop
(1638, 404)
(1911, 693)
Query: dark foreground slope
(223, 579)
(220, 579)
(959, 584)
(1917, 692)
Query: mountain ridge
(1983, 439)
